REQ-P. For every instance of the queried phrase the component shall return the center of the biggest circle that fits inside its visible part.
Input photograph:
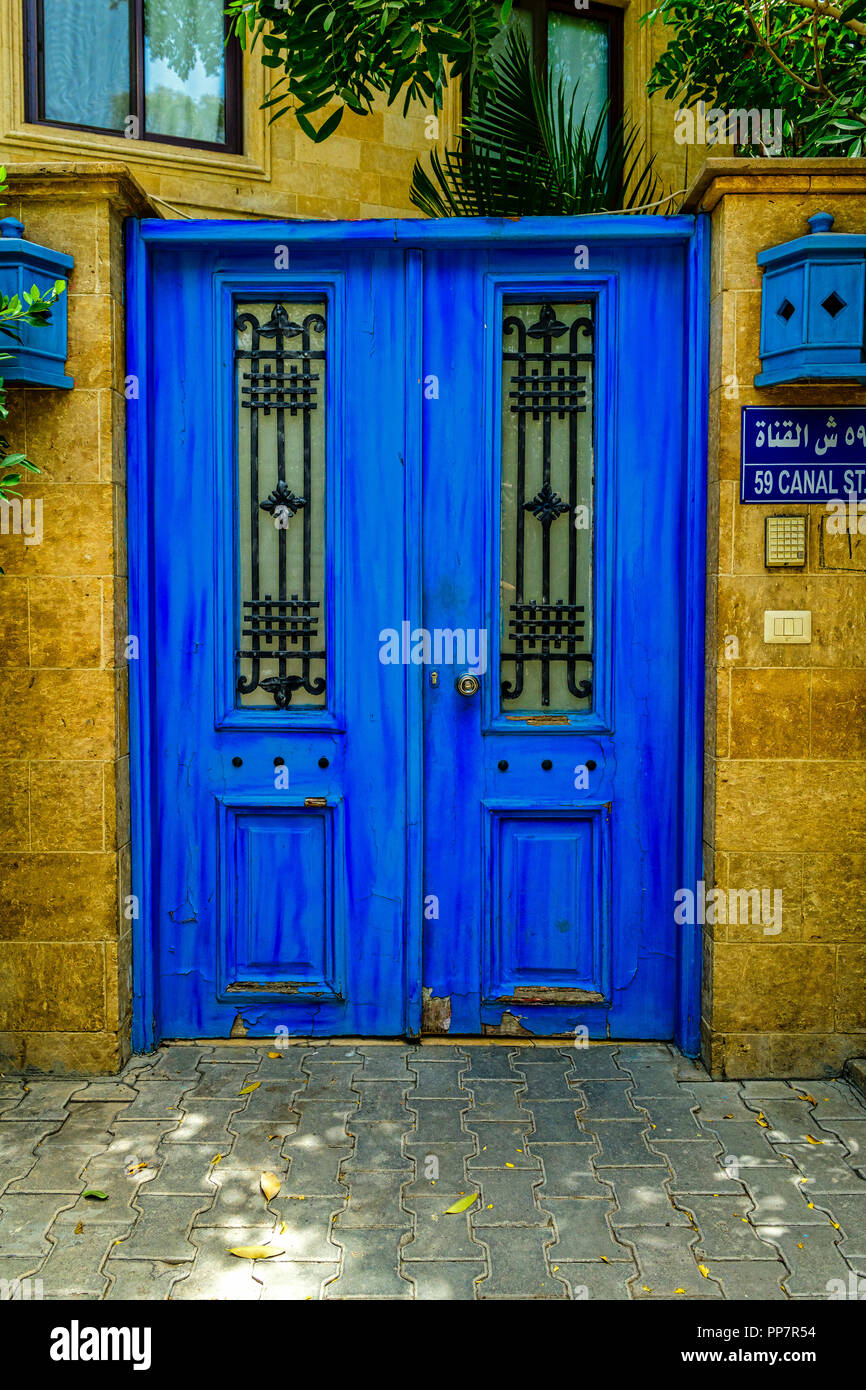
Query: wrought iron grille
(547, 490)
(280, 358)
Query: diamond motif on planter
(833, 304)
(785, 310)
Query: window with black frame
(147, 69)
(581, 44)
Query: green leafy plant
(33, 308)
(522, 152)
(806, 58)
(348, 51)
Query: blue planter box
(813, 307)
(38, 354)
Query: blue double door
(414, 519)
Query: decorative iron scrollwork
(283, 642)
(548, 382)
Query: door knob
(467, 685)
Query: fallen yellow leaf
(462, 1204)
(810, 1140)
(704, 1271)
(245, 1090)
(257, 1252)
(804, 1095)
(216, 1158)
(679, 1290)
(605, 1259)
(136, 1168)
(270, 1185)
(275, 1054)
(78, 1229)
(509, 1165)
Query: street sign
(803, 454)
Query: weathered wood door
(415, 555)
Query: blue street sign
(804, 454)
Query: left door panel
(277, 888)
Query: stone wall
(363, 171)
(785, 773)
(64, 813)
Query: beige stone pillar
(785, 784)
(64, 811)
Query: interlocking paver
(494, 1100)
(623, 1145)
(568, 1171)
(672, 1119)
(850, 1133)
(824, 1166)
(602, 1172)
(161, 1230)
(508, 1198)
(157, 1100)
(221, 1081)
(185, 1169)
(494, 1063)
(140, 1280)
(606, 1100)
(18, 1278)
(666, 1264)
(643, 1199)
(373, 1202)
(43, 1100)
(592, 1280)
(812, 1255)
(726, 1232)
(436, 1080)
(79, 1248)
(582, 1232)
(217, 1274)
(384, 1064)
(294, 1279)
(205, 1122)
(747, 1144)
(836, 1100)
(555, 1122)
(440, 1167)
(546, 1084)
(370, 1266)
(272, 1100)
(697, 1166)
(381, 1102)
(330, 1081)
(443, 1280)
(779, 1194)
(25, 1219)
(381, 1146)
(518, 1265)
(314, 1167)
(435, 1236)
(437, 1121)
(500, 1144)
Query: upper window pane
(578, 51)
(184, 69)
(86, 78)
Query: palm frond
(523, 152)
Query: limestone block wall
(364, 170)
(785, 772)
(64, 810)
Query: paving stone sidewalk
(601, 1172)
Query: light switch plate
(787, 625)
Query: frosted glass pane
(546, 508)
(87, 63)
(184, 69)
(280, 411)
(578, 51)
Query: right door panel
(555, 477)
